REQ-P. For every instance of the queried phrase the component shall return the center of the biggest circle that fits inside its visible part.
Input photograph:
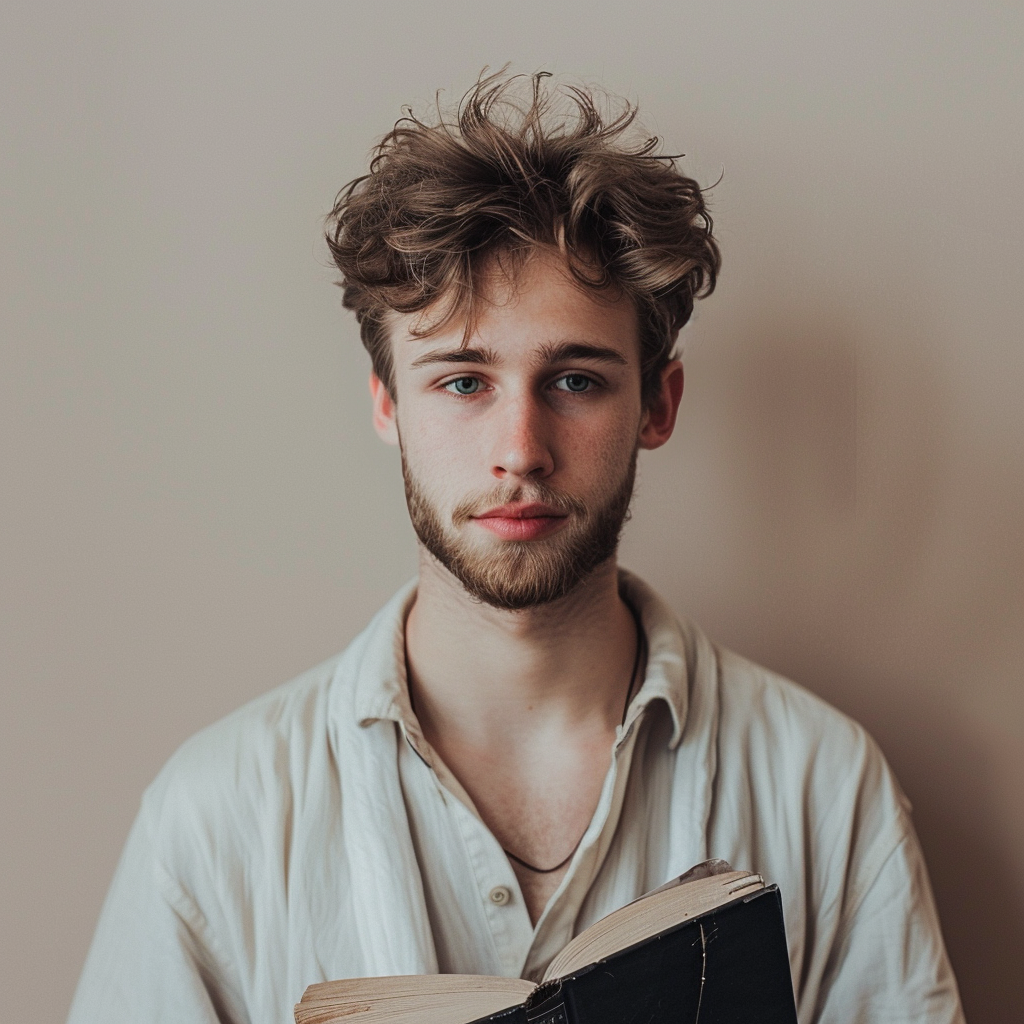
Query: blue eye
(463, 386)
(575, 382)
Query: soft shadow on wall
(823, 512)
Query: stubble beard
(523, 574)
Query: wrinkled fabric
(313, 834)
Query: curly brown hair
(511, 170)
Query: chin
(516, 575)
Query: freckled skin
(520, 424)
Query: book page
(650, 915)
(427, 999)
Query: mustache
(473, 506)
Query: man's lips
(522, 520)
(522, 510)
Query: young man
(527, 738)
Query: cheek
(605, 446)
(436, 453)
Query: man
(527, 738)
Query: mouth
(522, 520)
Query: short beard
(523, 574)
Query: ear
(659, 420)
(384, 411)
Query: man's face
(519, 448)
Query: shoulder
(268, 775)
(763, 710)
(235, 785)
(807, 769)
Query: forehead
(523, 311)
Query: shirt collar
(380, 685)
(669, 658)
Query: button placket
(508, 922)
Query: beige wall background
(194, 507)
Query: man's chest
(490, 914)
(538, 813)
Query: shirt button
(499, 895)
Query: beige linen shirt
(313, 835)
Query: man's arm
(888, 961)
(150, 958)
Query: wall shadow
(949, 774)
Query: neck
(486, 676)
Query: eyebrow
(551, 353)
(483, 356)
(570, 350)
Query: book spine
(549, 1005)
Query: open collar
(381, 688)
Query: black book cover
(728, 966)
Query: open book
(711, 944)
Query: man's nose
(521, 447)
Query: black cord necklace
(641, 643)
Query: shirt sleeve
(151, 957)
(889, 963)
